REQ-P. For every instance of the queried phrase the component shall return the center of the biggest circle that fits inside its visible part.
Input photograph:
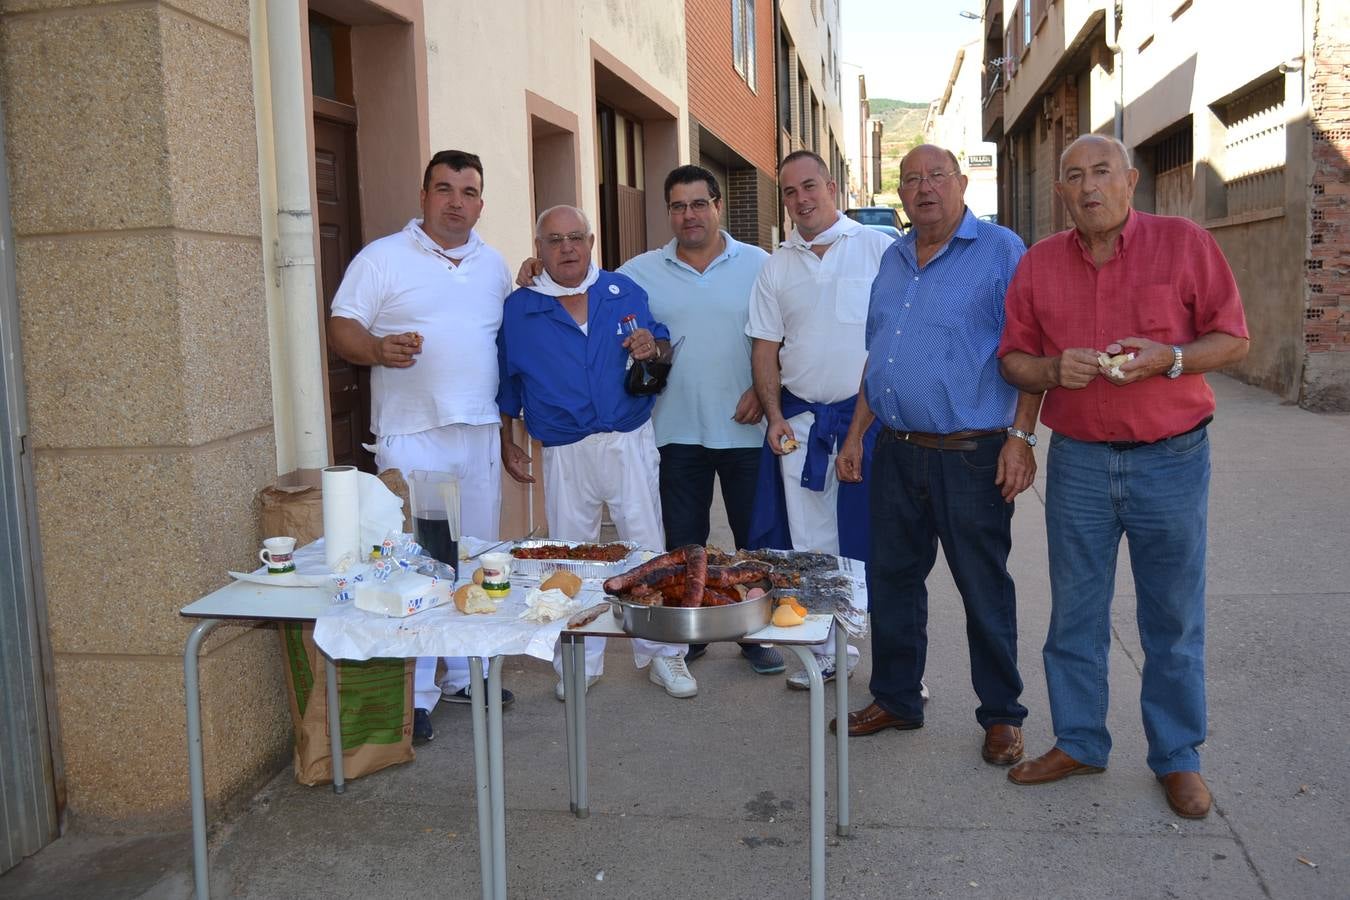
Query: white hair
(539, 222)
(1105, 138)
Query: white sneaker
(561, 694)
(802, 682)
(923, 690)
(672, 674)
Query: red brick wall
(718, 96)
(1327, 316)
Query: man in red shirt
(1129, 455)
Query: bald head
(1099, 140)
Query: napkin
(381, 511)
(548, 606)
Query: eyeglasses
(557, 240)
(935, 180)
(679, 206)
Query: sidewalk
(708, 797)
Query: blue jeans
(687, 472)
(1157, 496)
(921, 497)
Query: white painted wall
(483, 57)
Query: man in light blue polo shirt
(707, 419)
(954, 449)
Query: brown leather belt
(962, 441)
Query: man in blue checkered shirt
(955, 448)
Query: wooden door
(339, 240)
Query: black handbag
(647, 379)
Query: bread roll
(478, 575)
(786, 617)
(471, 599)
(566, 582)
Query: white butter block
(402, 595)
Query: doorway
(339, 224)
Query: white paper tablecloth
(346, 632)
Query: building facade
(955, 121)
(809, 83)
(731, 110)
(183, 204)
(1237, 122)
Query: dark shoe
(764, 660)
(872, 718)
(695, 651)
(1187, 794)
(1002, 745)
(422, 730)
(1051, 767)
(462, 696)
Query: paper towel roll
(341, 515)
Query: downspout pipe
(295, 237)
(1113, 44)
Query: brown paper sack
(375, 696)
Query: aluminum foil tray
(582, 568)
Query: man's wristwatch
(1019, 433)
(1175, 371)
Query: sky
(905, 47)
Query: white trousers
(620, 470)
(813, 516)
(472, 453)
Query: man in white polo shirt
(808, 312)
(422, 308)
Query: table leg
(482, 775)
(496, 785)
(569, 722)
(334, 725)
(817, 740)
(577, 691)
(196, 777)
(841, 716)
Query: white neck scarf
(458, 254)
(828, 236)
(544, 284)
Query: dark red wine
(434, 536)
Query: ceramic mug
(496, 573)
(278, 553)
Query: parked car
(877, 215)
(991, 218)
(887, 229)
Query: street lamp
(967, 14)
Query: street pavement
(708, 797)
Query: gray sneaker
(802, 682)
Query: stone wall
(132, 160)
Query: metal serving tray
(582, 568)
(700, 625)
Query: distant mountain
(901, 129)
(881, 105)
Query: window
(1254, 147)
(1026, 23)
(743, 39)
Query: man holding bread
(562, 353)
(807, 312)
(422, 308)
(954, 449)
(1129, 456)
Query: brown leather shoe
(1002, 745)
(872, 718)
(1187, 794)
(1051, 767)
